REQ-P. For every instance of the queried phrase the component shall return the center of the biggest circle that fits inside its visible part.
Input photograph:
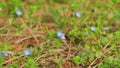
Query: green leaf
(1, 61)
(57, 43)
(30, 64)
(13, 66)
(76, 59)
(117, 34)
(104, 40)
(6, 47)
(79, 59)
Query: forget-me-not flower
(27, 52)
(5, 54)
(19, 12)
(60, 35)
(106, 28)
(78, 14)
(93, 28)
(0, 54)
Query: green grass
(36, 29)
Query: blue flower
(93, 28)
(27, 52)
(19, 12)
(5, 54)
(60, 35)
(78, 14)
(0, 54)
(106, 28)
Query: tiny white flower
(0, 9)
(27, 52)
(93, 28)
(19, 12)
(106, 28)
(86, 33)
(78, 14)
(60, 35)
(5, 54)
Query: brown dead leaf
(30, 1)
(115, 26)
(118, 5)
(17, 48)
(68, 64)
(3, 0)
(91, 41)
(2, 20)
(38, 13)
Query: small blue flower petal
(106, 28)
(19, 12)
(93, 28)
(27, 52)
(78, 14)
(60, 35)
(0, 54)
(5, 54)
(63, 37)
